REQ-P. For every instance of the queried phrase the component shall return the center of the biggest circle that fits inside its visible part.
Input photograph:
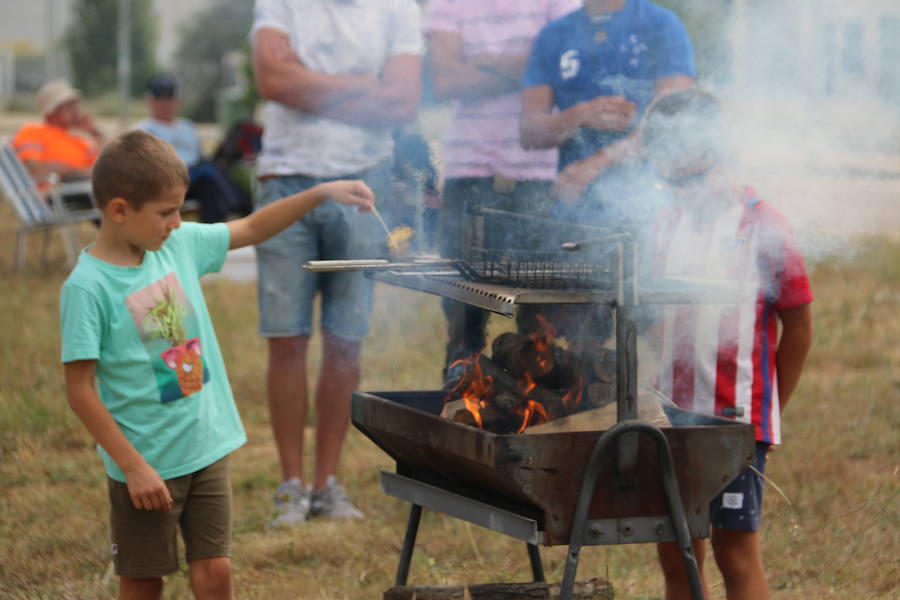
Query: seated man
(58, 145)
(209, 186)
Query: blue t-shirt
(159, 370)
(580, 57)
(181, 133)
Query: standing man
(589, 78)
(339, 75)
(478, 52)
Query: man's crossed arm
(358, 100)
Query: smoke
(813, 106)
(813, 95)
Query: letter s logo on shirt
(569, 64)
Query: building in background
(827, 48)
(31, 49)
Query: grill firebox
(539, 476)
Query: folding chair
(36, 213)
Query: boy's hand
(148, 490)
(354, 193)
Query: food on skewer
(398, 241)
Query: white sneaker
(292, 502)
(331, 502)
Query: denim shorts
(331, 231)
(739, 506)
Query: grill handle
(581, 244)
(377, 264)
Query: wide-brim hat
(54, 94)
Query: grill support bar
(581, 535)
(626, 356)
(419, 494)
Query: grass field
(835, 534)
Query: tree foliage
(211, 34)
(92, 40)
(707, 24)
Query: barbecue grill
(631, 483)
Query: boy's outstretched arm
(273, 218)
(793, 346)
(148, 490)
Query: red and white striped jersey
(720, 359)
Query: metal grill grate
(541, 270)
(524, 251)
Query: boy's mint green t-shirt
(159, 369)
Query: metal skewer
(383, 224)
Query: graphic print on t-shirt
(169, 331)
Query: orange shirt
(47, 143)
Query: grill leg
(537, 567)
(409, 544)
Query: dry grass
(837, 539)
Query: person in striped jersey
(740, 361)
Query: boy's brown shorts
(144, 542)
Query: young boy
(725, 360)
(162, 413)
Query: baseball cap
(162, 86)
(54, 94)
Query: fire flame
(475, 388)
(572, 399)
(530, 410)
(543, 340)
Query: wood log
(519, 354)
(603, 362)
(600, 394)
(464, 416)
(506, 399)
(491, 418)
(566, 373)
(503, 380)
(555, 368)
(591, 589)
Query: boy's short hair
(138, 167)
(685, 122)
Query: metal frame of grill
(498, 280)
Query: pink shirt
(483, 138)
(720, 359)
